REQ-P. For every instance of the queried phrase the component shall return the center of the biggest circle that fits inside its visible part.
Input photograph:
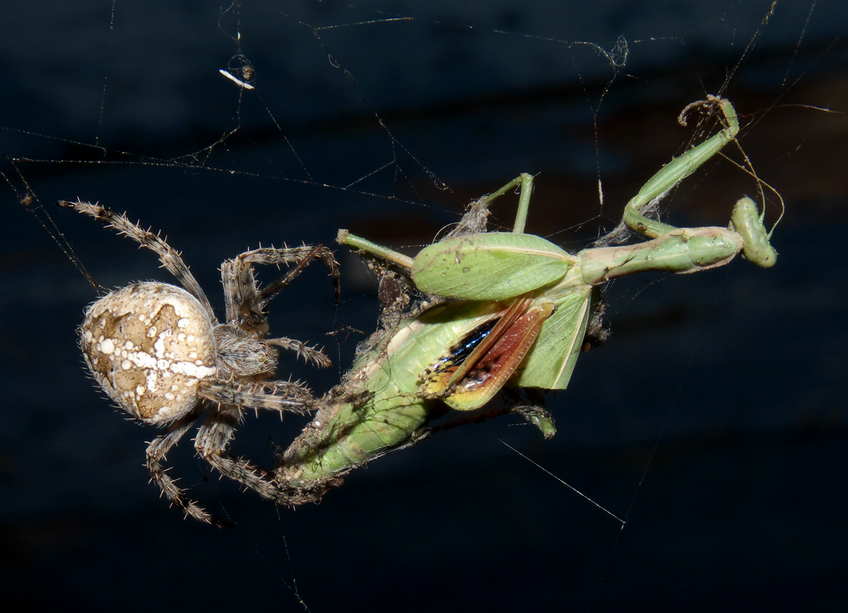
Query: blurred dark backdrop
(714, 419)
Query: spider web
(264, 122)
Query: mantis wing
(493, 266)
(493, 362)
(550, 363)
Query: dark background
(713, 420)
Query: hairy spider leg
(156, 452)
(171, 259)
(245, 303)
(213, 438)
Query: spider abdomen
(147, 345)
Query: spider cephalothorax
(160, 354)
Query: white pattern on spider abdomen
(148, 345)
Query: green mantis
(510, 309)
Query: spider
(160, 354)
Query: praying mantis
(500, 309)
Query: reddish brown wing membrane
(468, 383)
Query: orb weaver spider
(161, 355)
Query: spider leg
(171, 259)
(156, 452)
(212, 440)
(245, 303)
(310, 354)
(320, 252)
(281, 396)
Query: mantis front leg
(746, 220)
